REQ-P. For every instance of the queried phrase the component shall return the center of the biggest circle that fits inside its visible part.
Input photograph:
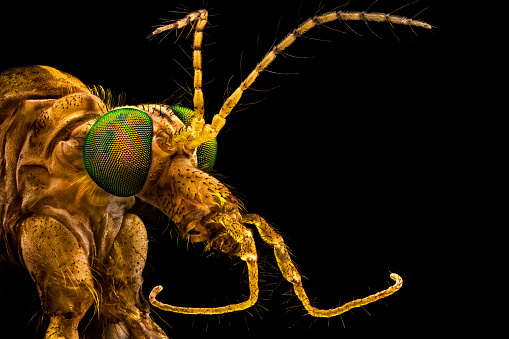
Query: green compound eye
(207, 151)
(117, 151)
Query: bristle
(107, 96)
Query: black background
(341, 147)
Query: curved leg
(125, 312)
(60, 268)
(287, 268)
(246, 253)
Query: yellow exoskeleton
(72, 166)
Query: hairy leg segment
(287, 268)
(246, 253)
(124, 310)
(201, 132)
(59, 266)
(70, 282)
(290, 273)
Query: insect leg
(210, 131)
(59, 265)
(298, 32)
(199, 109)
(287, 268)
(123, 306)
(248, 254)
(200, 17)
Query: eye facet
(206, 152)
(117, 151)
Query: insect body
(71, 167)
